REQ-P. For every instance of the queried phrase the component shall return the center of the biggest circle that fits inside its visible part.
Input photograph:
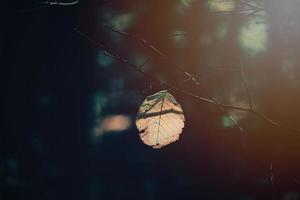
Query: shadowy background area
(69, 110)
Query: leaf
(160, 119)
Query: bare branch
(144, 63)
(47, 4)
(58, 3)
(190, 77)
(224, 111)
(175, 88)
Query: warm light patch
(253, 37)
(113, 123)
(221, 5)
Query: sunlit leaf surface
(160, 119)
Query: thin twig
(251, 5)
(271, 175)
(251, 109)
(224, 111)
(136, 36)
(155, 49)
(246, 85)
(114, 55)
(144, 63)
(253, 8)
(247, 12)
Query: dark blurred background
(69, 110)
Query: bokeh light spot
(237, 115)
(227, 122)
(99, 101)
(253, 37)
(221, 5)
(186, 3)
(122, 22)
(103, 60)
(140, 59)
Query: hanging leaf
(160, 119)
